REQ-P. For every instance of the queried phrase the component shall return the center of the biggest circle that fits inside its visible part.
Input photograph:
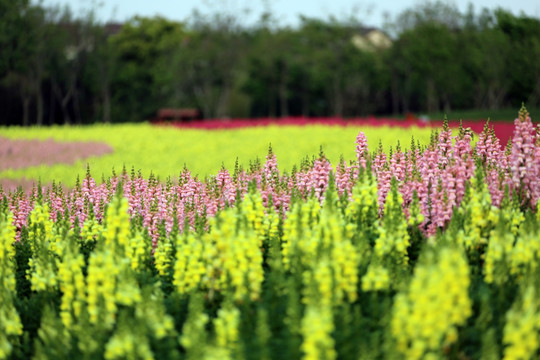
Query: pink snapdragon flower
(522, 160)
(362, 150)
(319, 177)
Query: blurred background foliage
(60, 68)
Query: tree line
(58, 68)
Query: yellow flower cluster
(319, 284)
(131, 337)
(426, 316)
(194, 336)
(91, 230)
(193, 329)
(226, 326)
(126, 343)
(52, 344)
(128, 292)
(393, 235)
(228, 257)
(139, 251)
(376, 278)
(42, 273)
(40, 226)
(513, 215)
(162, 255)
(345, 261)
(513, 246)
(299, 232)
(7, 238)
(10, 322)
(499, 249)
(320, 248)
(190, 266)
(415, 212)
(72, 285)
(330, 232)
(101, 287)
(271, 222)
(363, 208)
(152, 312)
(525, 253)
(46, 244)
(109, 283)
(238, 258)
(116, 232)
(317, 327)
(10, 325)
(523, 326)
(253, 209)
(479, 216)
(110, 280)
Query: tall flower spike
(522, 158)
(444, 144)
(523, 113)
(361, 148)
(271, 172)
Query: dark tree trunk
(395, 95)
(431, 96)
(283, 101)
(271, 102)
(39, 108)
(26, 110)
(106, 103)
(64, 101)
(223, 100)
(77, 106)
(52, 105)
(305, 102)
(107, 107)
(338, 98)
(534, 98)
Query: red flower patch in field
(503, 130)
(17, 154)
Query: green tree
(523, 35)
(98, 72)
(271, 65)
(142, 80)
(12, 26)
(424, 68)
(21, 65)
(208, 63)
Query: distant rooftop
(113, 28)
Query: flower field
(503, 129)
(204, 152)
(425, 252)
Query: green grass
(164, 150)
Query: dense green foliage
(65, 69)
(164, 151)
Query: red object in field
(177, 114)
(410, 117)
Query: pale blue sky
(371, 13)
